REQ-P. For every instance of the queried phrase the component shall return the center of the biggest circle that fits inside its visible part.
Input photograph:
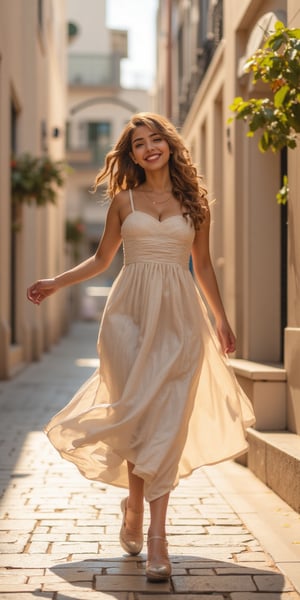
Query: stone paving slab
(59, 532)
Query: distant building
(98, 108)
(202, 47)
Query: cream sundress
(164, 397)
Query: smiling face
(149, 149)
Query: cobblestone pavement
(59, 532)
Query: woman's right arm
(87, 269)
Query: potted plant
(35, 179)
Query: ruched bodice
(141, 233)
(164, 397)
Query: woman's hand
(226, 337)
(41, 289)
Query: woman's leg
(131, 533)
(158, 566)
(136, 490)
(158, 515)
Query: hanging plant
(35, 179)
(276, 64)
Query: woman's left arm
(206, 278)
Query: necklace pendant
(161, 201)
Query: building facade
(32, 120)
(202, 47)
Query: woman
(164, 400)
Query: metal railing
(203, 58)
(91, 156)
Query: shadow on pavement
(191, 575)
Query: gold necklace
(160, 194)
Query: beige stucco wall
(243, 183)
(32, 76)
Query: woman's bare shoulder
(121, 199)
(121, 204)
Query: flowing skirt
(164, 396)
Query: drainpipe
(169, 61)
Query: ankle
(156, 533)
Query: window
(99, 139)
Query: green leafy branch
(36, 179)
(277, 64)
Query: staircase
(274, 452)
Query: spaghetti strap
(131, 200)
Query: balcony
(86, 158)
(94, 70)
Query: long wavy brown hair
(122, 173)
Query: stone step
(265, 385)
(274, 457)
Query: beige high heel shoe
(158, 567)
(131, 539)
